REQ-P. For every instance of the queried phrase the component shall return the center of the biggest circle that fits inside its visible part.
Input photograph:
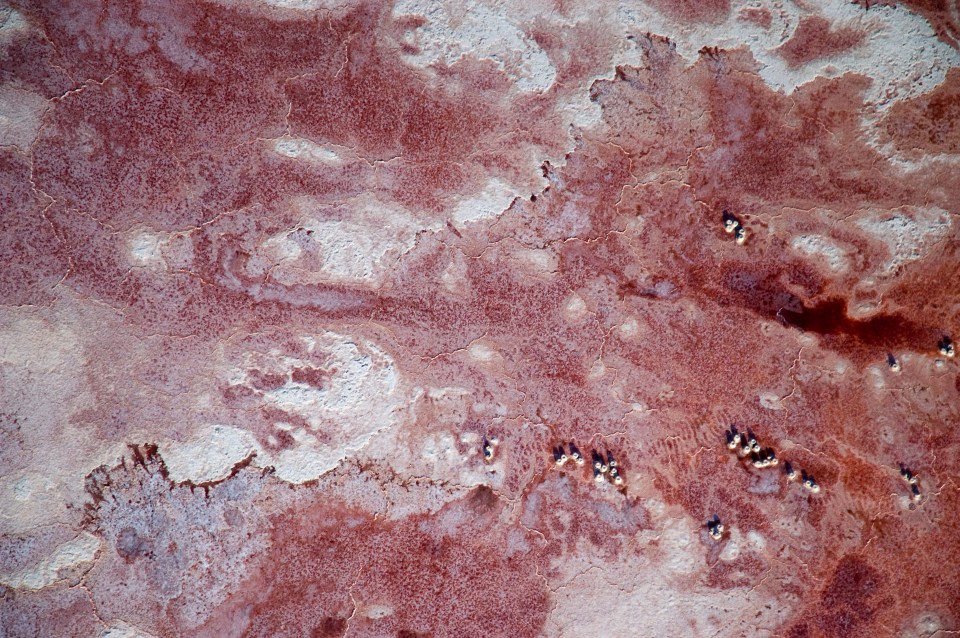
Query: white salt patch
(20, 115)
(40, 354)
(22, 490)
(378, 611)
(756, 540)
(440, 448)
(926, 625)
(597, 370)
(575, 308)
(677, 540)
(908, 233)
(12, 24)
(304, 149)
(900, 51)
(359, 400)
(46, 572)
(731, 547)
(454, 276)
(483, 31)
(305, 463)
(771, 401)
(580, 110)
(145, 249)
(356, 242)
(661, 580)
(209, 456)
(120, 629)
(306, 5)
(36, 345)
(495, 198)
(630, 328)
(819, 247)
(482, 352)
(538, 261)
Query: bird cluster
(893, 362)
(604, 467)
(732, 225)
(911, 480)
(945, 346)
(715, 528)
(749, 449)
(560, 456)
(489, 447)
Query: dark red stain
(346, 562)
(235, 395)
(830, 318)
(30, 62)
(31, 262)
(850, 600)
(709, 11)
(37, 613)
(815, 38)
(930, 121)
(760, 16)
(265, 381)
(311, 376)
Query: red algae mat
(479, 318)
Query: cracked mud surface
(306, 308)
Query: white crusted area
(495, 198)
(12, 24)
(41, 353)
(666, 582)
(49, 570)
(303, 149)
(361, 397)
(822, 248)
(20, 116)
(900, 52)
(909, 233)
(353, 243)
(145, 249)
(120, 629)
(438, 446)
(209, 456)
(297, 9)
(483, 30)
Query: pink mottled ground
(297, 300)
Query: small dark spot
(800, 630)
(329, 627)
(854, 584)
(310, 376)
(131, 546)
(483, 498)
